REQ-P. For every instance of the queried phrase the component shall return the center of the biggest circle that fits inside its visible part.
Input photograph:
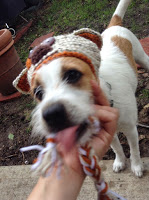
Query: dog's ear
(90, 35)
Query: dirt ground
(16, 131)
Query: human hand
(108, 118)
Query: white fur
(121, 8)
(116, 70)
(57, 90)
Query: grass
(27, 114)
(3, 119)
(144, 94)
(28, 129)
(144, 19)
(30, 105)
(63, 16)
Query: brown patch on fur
(115, 21)
(126, 47)
(75, 63)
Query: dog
(58, 75)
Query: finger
(101, 143)
(110, 109)
(108, 120)
(99, 95)
(105, 114)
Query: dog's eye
(38, 92)
(72, 76)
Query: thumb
(99, 95)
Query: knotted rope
(91, 168)
(47, 157)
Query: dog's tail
(119, 13)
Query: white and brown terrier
(59, 72)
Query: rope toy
(48, 157)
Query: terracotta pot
(10, 64)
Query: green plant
(145, 93)
(28, 129)
(11, 136)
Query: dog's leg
(119, 162)
(139, 55)
(136, 163)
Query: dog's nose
(56, 117)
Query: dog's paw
(137, 169)
(118, 165)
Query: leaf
(142, 137)
(11, 136)
(146, 106)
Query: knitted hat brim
(21, 82)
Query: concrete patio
(16, 183)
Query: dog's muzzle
(56, 117)
(57, 120)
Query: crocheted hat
(84, 44)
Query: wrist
(67, 186)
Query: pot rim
(6, 40)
